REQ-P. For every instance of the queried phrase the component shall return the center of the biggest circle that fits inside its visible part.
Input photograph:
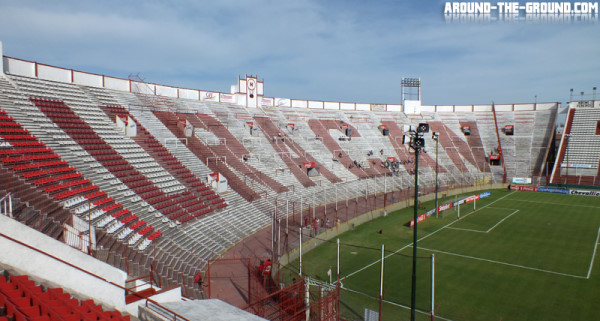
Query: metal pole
(336, 198)
(301, 209)
(436, 176)
(338, 260)
(413, 294)
(325, 200)
(384, 189)
(314, 203)
(381, 284)
(307, 299)
(300, 233)
(432, 286)
(273, 222)
(567, 151)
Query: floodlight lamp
(423, 128)
(435, 136)
(418, 143)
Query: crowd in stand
(394, 166)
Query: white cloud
(348, 51)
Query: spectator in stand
(268, 265)
(198, 280)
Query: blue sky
(354, 51)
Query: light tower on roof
(411, 95)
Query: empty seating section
(80, 131)
(22, 300)
(284, 147)
(321, 128)
(84, 135)
(579, 157)
(40, 166)
(285, 138)
(231, 150)
(194, 198)
(203, 152)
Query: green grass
(520, 256)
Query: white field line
(594, 254)
(394, 303)
(491, 228)
(570, 205)
(424, 237)
(504, 263)
(465, 229)
(502, 220)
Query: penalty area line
(504, 263)
(502, 220)
(484, 232)
(594, 254)
(424, 237)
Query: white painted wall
(315, 104)
(463, 109)
(116, 83)
(347, 106)
(54, 74)
(189, 94)
(82, 78)
(394, 108)
(366, 107)
(43, 266)
(521, 107)
(32, 69)
(19, 67)
(482, 108)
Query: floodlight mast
(416, 143)
(408, 86)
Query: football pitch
(518, 256)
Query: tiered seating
(44, 169)
(23, 300)
(580, 150)
(282, 146)
(231, 150)
(454, 147)
(192, 202)
(82, 133)
(321, 129)
(222, 157)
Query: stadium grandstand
(123, 198)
